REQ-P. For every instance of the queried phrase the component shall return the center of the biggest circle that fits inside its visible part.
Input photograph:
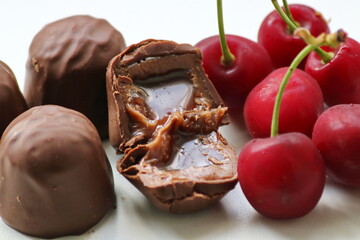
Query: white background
(186, 21)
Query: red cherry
(283, 176)
(339, 79)
(301, 105)
(337, 136)
(275, 36)
(252, 63)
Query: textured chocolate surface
(12, 102)
(67, 65)
(55, 176)
(164, 114)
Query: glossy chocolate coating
(164, 114)
(12, 102)
(67, 65)
(55, 176)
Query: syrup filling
(167, 93)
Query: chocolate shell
(164, 116)
(12, 102)
(55, 176)
(67, 65)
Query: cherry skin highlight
(275, 36)
(282, 177)
(252, 63)
(337, 136)
(301, 104)
(339, 79)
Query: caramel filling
(192, 151)
(167, 93)
(172, 113)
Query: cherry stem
(332, 40)
(288, 13)
(284, 16)
(287, 17)
(227, 57)
(276, 112)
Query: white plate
(336, 215)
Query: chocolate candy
(55, 178)
(67, 65)
(164, 114)
(12, 102)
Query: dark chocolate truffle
(67, 65)
(12, 102)
(164, 115)
(55, 178)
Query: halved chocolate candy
(164, 114)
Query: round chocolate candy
(12, 102)
(67, 65)
(55, 178)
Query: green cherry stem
(288, 12)
(333, 40)
(284, 16)
(276, 112)
(227, 57)
(325, 56)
